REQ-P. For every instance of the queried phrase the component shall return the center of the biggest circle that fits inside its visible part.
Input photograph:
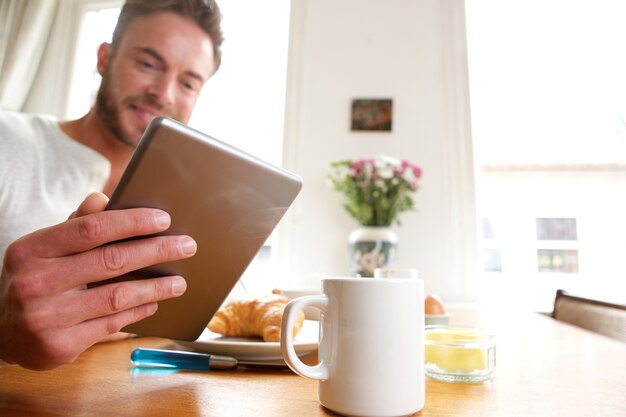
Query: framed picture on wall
(372, 114)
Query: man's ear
(104, 53)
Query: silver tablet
(227, 200)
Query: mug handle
(319, 371)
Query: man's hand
(48, 316)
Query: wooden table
(544, 368)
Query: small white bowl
(437, 319)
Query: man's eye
(146, 64)
(189, 86)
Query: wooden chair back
(598, 316)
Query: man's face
(160, 64)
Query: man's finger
(84, 233)
(93, 331)
(64, 345)
(93, 203)
(113, 260)
(87, 304)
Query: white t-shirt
(44, 174)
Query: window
(492, 253)
(556, 229)
(548, 105)
(557, 260)
(557, 239)
(242, 104)
(493, 261)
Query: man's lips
(145, 115)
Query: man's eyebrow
(156, 55)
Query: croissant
(257, 317)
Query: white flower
(408, 175)
(385, 171)
(342, 172)
(386, 166)
(380, 184)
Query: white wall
(412, 51)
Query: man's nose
(163, 89)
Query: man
(161, 54)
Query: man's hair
(205, 13)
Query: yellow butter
(456, 350)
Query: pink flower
(357, 165)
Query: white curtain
(25, 27)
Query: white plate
(255, 350)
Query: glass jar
(459, 354)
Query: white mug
(371, 351)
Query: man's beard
(109, 112)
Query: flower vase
(372, 247)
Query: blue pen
(176, 359)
